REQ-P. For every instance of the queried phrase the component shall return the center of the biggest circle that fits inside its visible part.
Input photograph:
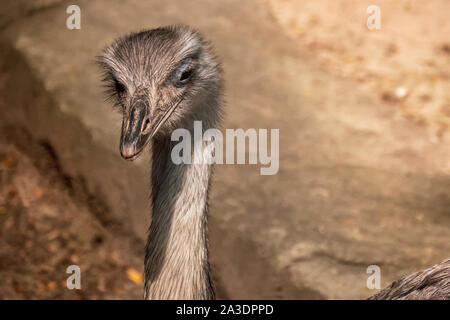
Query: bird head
(158, 79)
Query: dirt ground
(405, 63)
(46, 225)
(48, 222)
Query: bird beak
(135, 130)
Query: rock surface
(359, 184)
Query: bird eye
(120, 88)
(186, 75)
(185, 72)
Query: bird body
(430, 284)
(165, 79)
(176, 263)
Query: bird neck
(176, 262)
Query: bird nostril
(146, 123)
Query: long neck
(176, 261)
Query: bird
(164, 79)
(161, 80)
(430, 284)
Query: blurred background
(364, 119)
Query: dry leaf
(10, 162)
(38, 193)
(19, 288)
(101, 285)
(51, 285)
(52, 235)
(74, 258)
(134, 275)
(12, 193)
